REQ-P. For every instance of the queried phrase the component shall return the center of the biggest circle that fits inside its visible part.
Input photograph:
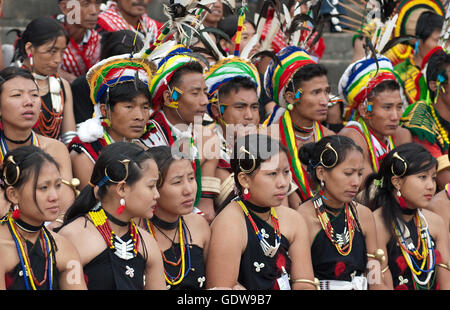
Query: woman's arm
(154, 267)
(228, 241)
(82, 168)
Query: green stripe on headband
(279, 72)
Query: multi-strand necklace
(342, 242)
(123, 249)
(31, 282)
(409, 250)
(268, 249)
(184, 249)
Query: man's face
(241, 107)
(89, 11)
(426, 46)
(133, 8)
(387, 108)
(313, 104)
(193, 101)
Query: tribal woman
(341, 231)
(40, 49)
(115, 253)
(414, 239)
(33, 257)
(19, 107)
(252, 235)
(182, 235)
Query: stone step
(336, 68)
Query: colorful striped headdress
(361, 77)
(227, 69)
(279, 75)
(177, 56)
(115, 70)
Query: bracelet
(445, 266)
(74, 183)
(316, 282)
(210, 184)
(379, 255)
(385, 269)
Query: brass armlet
(74, 183)
(316, 282)
(379, 256)
(385, 269)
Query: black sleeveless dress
(328, 263)
(107, 271)
(195, 267)
(257, 271)
(402, 276)
(15, 278)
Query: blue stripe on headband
(103, 181)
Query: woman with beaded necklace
(115, 253)
(414, 239)
(342, 232)
(19, 110)
(40, 49)
(251, 236)
(182, 235)
(34, 258)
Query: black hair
(428, 23)
(235, 84)
(23, 163)
(38, 32)
(386, 85)
(119, 43)
(417, 158)
(250, 151)
(306, 73)
(317, 154)
(436, 66)
(125, 92)
(164, 158)
(109, 161)
(10, 73)
(190, 67)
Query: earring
(322, 184)
(121, 207)
(30, 57)
(16, 212)
(246, 195)
(401, 201)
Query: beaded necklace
(28, 275)
(4, 146)
(441, 129)
(184, 248)
(124, 250)
(408, 249)
(265, 246)
(342, 242)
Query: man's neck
(76, 33)
(375, 132)
(116, 136)
(173, 117)
(132, 20)
(301, 121)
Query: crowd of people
(206, 151)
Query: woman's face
(177, 194)
(48, 191)
(140, 198)
(128, 118)
(20, 103)
(418, 189)
(48, 56)
(269, 184)
(343, 181)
